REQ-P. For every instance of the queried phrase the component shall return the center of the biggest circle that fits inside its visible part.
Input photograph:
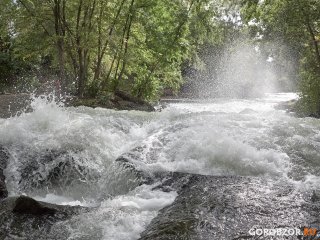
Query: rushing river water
(68, 155)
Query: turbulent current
(71, 155)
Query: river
(68, 155)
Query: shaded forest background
(148, 48)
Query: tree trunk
(60, 33)
(81, 74)
(315, 43)
(106, 80)
(102, 49)
(126, 41)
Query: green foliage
(136, 45)
(146, 46)
(309, 103)
(295, 26)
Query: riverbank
(119, 101)
(296, 106)
(15, 104)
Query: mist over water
(241, 70)
(245, 73)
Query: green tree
(102, 46)
(294, 24)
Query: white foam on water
(235, 137)
(121, 218)
(236, 105)
(91, 138)
(218, 137)
(61, 200)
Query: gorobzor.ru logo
(275, 232)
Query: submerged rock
(3, 188)
(27, 205)
(54, 170)
(289, 106)
(3, 164)
(298, 108)
(25, 218)
(142, 177)
(120, 101)
(247, 111)
(212, 207)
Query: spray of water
(241, 70)
(244, 72)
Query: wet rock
(119, 100)
(25, 218)
(212, 207)
(142, 176)
(27, 205)
(247, 111)
(3, 189)
(3, 164)
(150, 150)
(297, 107)
(288, 105)
(127, 105)
(54, 170)
(127, 102)
(315, 196)
(3, 158)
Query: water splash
(68, 155)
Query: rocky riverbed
(209, 207)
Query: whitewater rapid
(212, 137)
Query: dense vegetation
(295, 26)
(144, 47)
(96, 47)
